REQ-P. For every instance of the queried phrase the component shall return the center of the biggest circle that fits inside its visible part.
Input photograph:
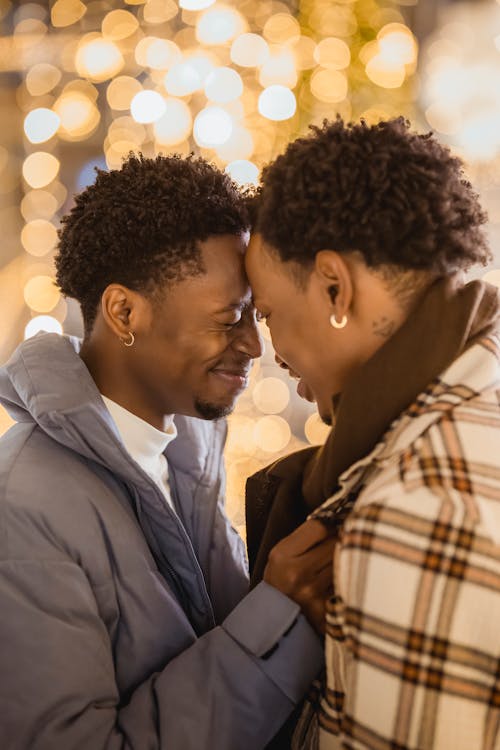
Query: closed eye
(234, 323)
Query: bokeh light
(119, 24)
(41, 124)
(78, 115)
(219, 24)
(39, 204)
(156, 53)
(183, 79)
(391, 57)
(332, 53)
(249, 50)
(40, 168)
(272, 433)
(212, 127)
(39, 237)
(243, 172)
(281, 28)
(6, 421)
(315, 430)
(42, 78)
(279, 69)
(175, 125)
(67, 12)
(223, 85)
(239, 145)
(41, 293)
(147, 106)
(42, 323)
(195, 5)
(98, 59)
(234, 82)
(329, 85)
(271, 395)
(159, 11)
(277, 103)
(493, 277)
(121, 91)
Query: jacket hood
(46, 382)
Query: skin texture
(298, 315)
(192, 354)
(298, 304)
(194, 342)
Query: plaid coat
(413, 627)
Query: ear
(335, 278)
(125, 310)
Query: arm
(231, 688)
(413, 629)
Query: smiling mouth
(237, 379)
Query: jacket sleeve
(231, 689)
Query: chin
(207, 410)
(325, 411)
(326, 417)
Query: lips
(235, 378)
(304, 391)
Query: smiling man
(126, 618)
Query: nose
(248, 338)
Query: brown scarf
(446, 321)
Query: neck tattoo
(383, 327)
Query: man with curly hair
(363, 234)
(126, 620)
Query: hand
(301, 566)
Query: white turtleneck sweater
(145, 443)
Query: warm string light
(234, 82)
(460, 93)
(204, 75)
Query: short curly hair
(397, 197)
(141, 226)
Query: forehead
(257, 259)
(223, 281)
(265, 272)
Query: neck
(112, 377)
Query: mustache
(240, 367)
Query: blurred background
(84, 83)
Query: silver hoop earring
(336, 324)
(132, 340)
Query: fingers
(307, 535)
(319, 555)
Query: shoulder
(448, 471)
(54, 504)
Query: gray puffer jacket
(122, 624)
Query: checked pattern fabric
(413, 628)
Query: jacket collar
(475, 371)
(46, 381)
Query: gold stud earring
(131, 341)
(334, 322)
